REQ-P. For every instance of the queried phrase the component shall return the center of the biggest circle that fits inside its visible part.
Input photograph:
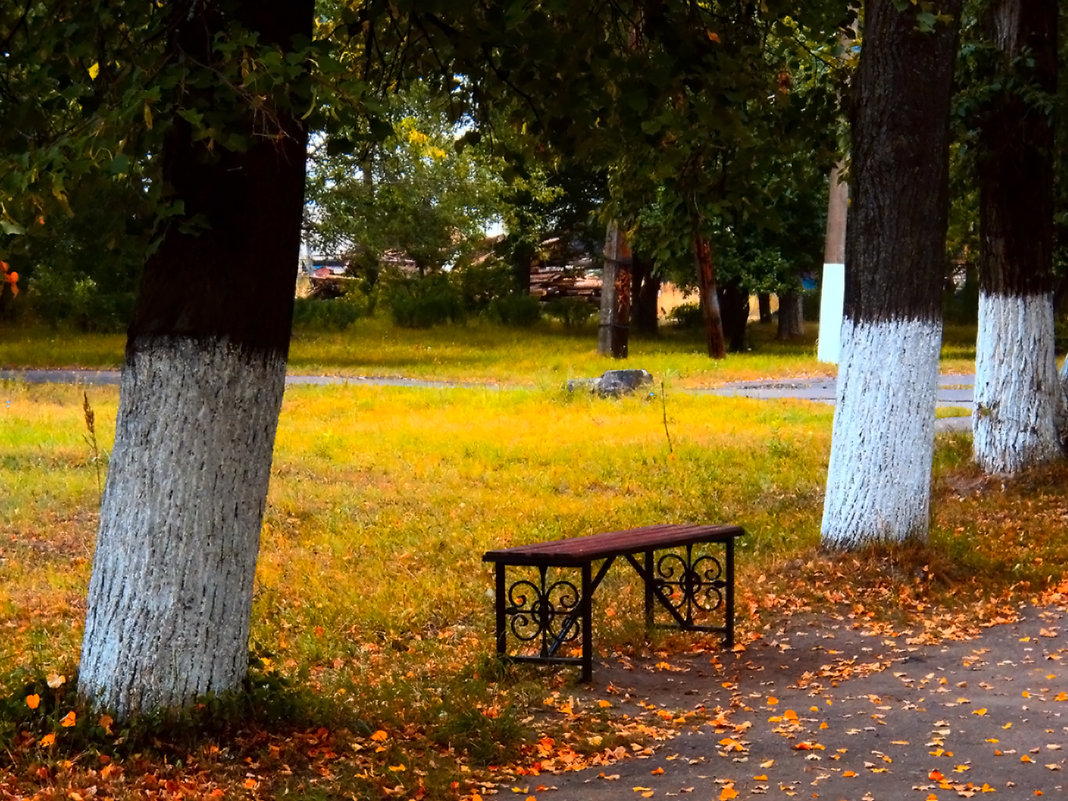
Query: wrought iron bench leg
(502, 626)
(587, 623)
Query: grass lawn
(372, 628)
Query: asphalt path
(953, 390)
(831, 709)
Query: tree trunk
(646, 288)
(706, 284)
(171, 588)
(764, 306)
(734, 306)
(878, 480)
(614, 331)
(791, 316)
(1019, 402)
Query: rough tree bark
(734, 310)
(1019, 401)
(613, 333)
(171, 588)
(645, 310)
(791, 316)
(878, 480)
(706, 285)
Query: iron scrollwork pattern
(690, 585)
(544, 611)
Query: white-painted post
(832, 296)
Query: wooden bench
(680, 576)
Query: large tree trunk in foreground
(1019, 401)
(171, 589)
(878, 480)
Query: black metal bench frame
(552, 613)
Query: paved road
(954, 390)
(828, 709)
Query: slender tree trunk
(706, 284)
(1019, 402)
(171, 588)
(878, 480)
(764, 306)
(614, 331)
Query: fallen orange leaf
(68, 720)
(33, 701)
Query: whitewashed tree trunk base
(171, 590)
(879, 477)
(1019, 399)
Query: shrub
(520, 311)
(423, 302)
(481, 285)
(688, 316)
(59, 297)
(335, 314)
(572, 312)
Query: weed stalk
(95, 456)
(667, 432)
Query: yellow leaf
(772, 700)
(657, 771)
(398, 768)
(33, 701)
(94, 70)
(47, 740)
(379, 736)
(68, 720)
(979, 711)
(727, 793)
(148, 116)
(604, 704)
